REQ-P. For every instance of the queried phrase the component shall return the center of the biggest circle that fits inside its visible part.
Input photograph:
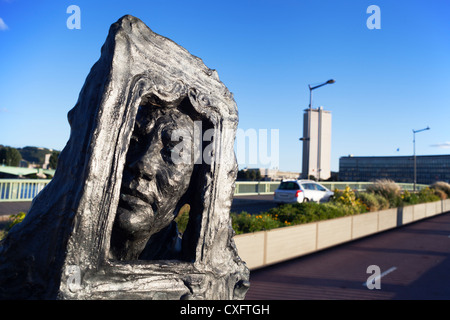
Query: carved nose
(143, 169)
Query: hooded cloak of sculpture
(70, 245)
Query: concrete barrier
(334, 231)
(264, 248)
(290, 242)
(251, 248)
(419, 211)
(407, 215)
(387, 219)
(364, 225)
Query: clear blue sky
(389, 81)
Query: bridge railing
(14, 190)
(26, 189)
(268, 187)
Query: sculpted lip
(136, 197)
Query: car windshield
(288, 186)
(309, 186)
(320, 188)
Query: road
(251, 204)
(8, 208)
(414, 263)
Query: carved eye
(168, 146)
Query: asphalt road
(251, 204)
(8, 208)
(414, 264)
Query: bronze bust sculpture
(104, 227)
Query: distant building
(399, 169)
(273, 174)
(316, 160)
(46, 161)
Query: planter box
(263, 248)
(387, 219)
(420, 211)
(287, 243)
(407, 214)
(446, 205)
(430, 209)
(332, 232)
(364, 225)
(251, 248)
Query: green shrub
(3, 234)
(347, 201)
(372, 200)
(245, 223)
(346, 197)
(409, 198)
(288, 213)
(382, 201)
(389, 190)
(383, 194)
(183, 218)
(15, 219)
(427, 195)
(312, 211)
(335, 210)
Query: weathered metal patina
(104, 227)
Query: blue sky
(389, 81)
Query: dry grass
(440, 187)
(385, 187)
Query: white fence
(268, 187)
(27, 189)
(12, 190)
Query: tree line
(10, 156)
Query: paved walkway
(414, 262)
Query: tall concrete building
(316, 160)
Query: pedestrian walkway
(414, 261)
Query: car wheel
(305, 200)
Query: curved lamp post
(315, 87)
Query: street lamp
(308, 138)
(315, 87)
(414, 147)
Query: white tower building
(316, 160)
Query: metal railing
(26, 189)
(268, 187)
(14, 190)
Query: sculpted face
(153, 180)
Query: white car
(292, 191)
